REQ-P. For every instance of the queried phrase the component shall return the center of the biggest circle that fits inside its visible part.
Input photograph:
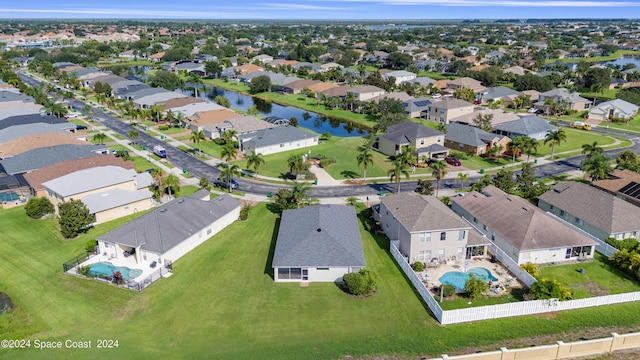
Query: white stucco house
(276, 139)
(318, 244)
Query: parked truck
(160, 151)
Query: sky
(320, 9)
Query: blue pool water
(459, 278)
(107, 268)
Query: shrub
(219, 141)
(459, 155)
(84, 270)
(360, 283)
(90, 246)
(549, 289)
(38, 207)
(531, 268)
(244, 211)
(474, 287)
(163, 127)
(324, 163)
(629, 244)
(418, 266)
(448, 290)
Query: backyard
(206, 308)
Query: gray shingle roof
(469, 135)
(14, 96)
(624, 106)
(422, 213)
(276, 135)
(38, 158)
(399, 133)
(18, 131)
(497, 92)
(89, 179)
(524, 226)
(596, 207)
(323, 235)
(29, 119)
(114, 198)
(170, 224)
(526, 125)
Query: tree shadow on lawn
(349, 174)
(268, 269)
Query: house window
(443, 236)
(484, 227)
(424, 236)
(551, 207)
(107, 245)
(462, 234)
(461, 146)
(634, 234)
(578, 221)
(322, 269)
(563, 214)
(424, 255)
(126, 207)
(281, 145)
(475, 220)
(209, 231)
(289, 273)
(493, 236)
(442, 120)
(440, 137)
(442, 111)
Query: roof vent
(318, 230)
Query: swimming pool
(459, 278)
(9, 196)
(107, 268)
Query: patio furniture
(153, 264)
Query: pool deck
(129, 262)
(430, 275)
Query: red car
(452, 161)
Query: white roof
(191, 109)
(114, 198)
(89, 179)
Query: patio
(432, 273)
(129, 262)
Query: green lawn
(222, 301)
(633, 125)
(172, 130)
(600, 277)
(141, 163)
(575, 140)
(118, 136)
(188, 190)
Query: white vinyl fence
(502, 310)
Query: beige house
(447, 109)
(366, 92)
(109, 192)
(201, 119)
(473, 140)
(427, 230)
(428, 142)
(465, 82)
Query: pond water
(623, 61)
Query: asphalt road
(199, 168)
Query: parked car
(71, 116)
(580, 125)
(222, 182)
(452, 161)
(81, 127)
(533, 111)
(436, 96)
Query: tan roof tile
(30, 142)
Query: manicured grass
(575, 140)
(171, 130)
(141, 163)
(633, 125)
(188, 190)
(118, 136)
(222, 301)
(600, 277)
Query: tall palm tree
(255, 160)
(399, 168)
(442, 128)
(592, 150)
(196, 137)
(100, 138)
(296, 164)
(462, 177)
(158, 178)
(438, 170)
(514, 146)
(228, 152)
(230, 136)
(300, 192)
(596, 166)
(169, 182)
(133, 135)
(364, 157)
(228, 172)
(554, 138)
(196, 80)
(530, 146)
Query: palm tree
(514, 146)
(158, 178)
(530, 146)
(442, 128)
(350, 99)
(196, 137)
(228, 152)
(596, 166)
(100, 138)
(300, 192)
(364, 157)
(196, 80)
(169, 182)
(438, 170)
(296, 164)
(133, 135)
(230, 136)
(228, 172)
(592, 149)
(255, 160)
(462, 177)
(399, 168)
(554, 138)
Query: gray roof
(170, 224)
(18, 131)
(526, 125)
(422, 213)
(146, 91)
(29, 119)
(422, 80)
(14, 96)
(322, 235)
(533, 230)
(469, 135)
(400, 133)
(22, 109)
(114, 198)
(496, 92)
(624, 106)
(202, 194)
(89, 179)
(144, 180)
(130, 89)
(243, 124)
(276, 135)
(594, 206)
(275, 78)
(85, 71)
(41, 157)
(150, 100)
(418, 104)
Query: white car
(532, 110)
(436, 96)
(71, 116)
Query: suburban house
(494, 94)
(531, 126)
(427, 230)
(401, 76)
(263, 58)
(447, 109)
(170, 231)
(498, 116)
(30, 142)
(110, 192)
(146, 102)
(464, 82)
(595, 211)
(41, 157)
(613, 109)
(276, 139)
(535, 237)
(473, 140)
(428, 142)
(365, 92)
(573, 100)
(35, 178)
(623, 184)
(317, 244)
(241, 125)
(417, 108)
(201, 119)
(15, 132)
